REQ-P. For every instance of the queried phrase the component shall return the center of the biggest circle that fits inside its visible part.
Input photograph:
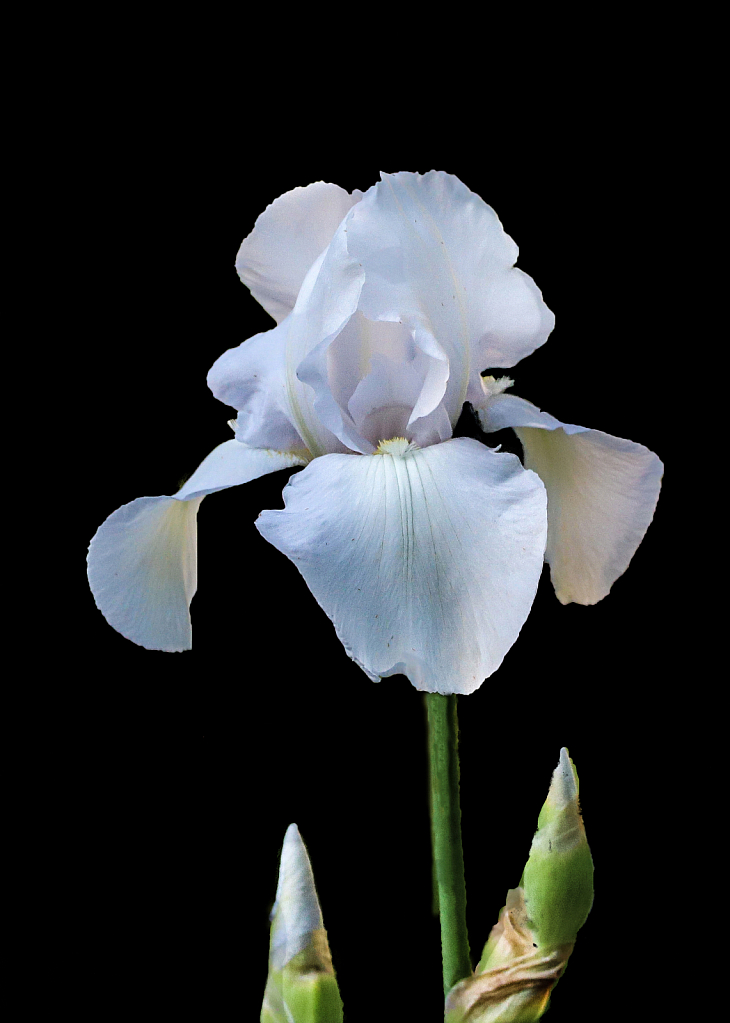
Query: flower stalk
(448, 855)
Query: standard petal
(426, 560)
(422, 263)
(602, 492)
(325, 307)
(287, 238)
(382, 402)
(142, 561)
(436, 257)
(252, 379)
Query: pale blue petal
(142, 568)
(142, 561)
(287, 238)
(435, 257)
(423, 264)
(602, 492)
(252, 379)
(426, 560)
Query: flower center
(394, 446)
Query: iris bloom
(424, 550)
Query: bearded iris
(424, 550)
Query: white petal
(142, 561)
(142, 568)
(602, 492)
(333, 349)
(436, 257)
(427, 561)
(296, 914)
(382, 402)
(503, 411)
(325, 309)
(424, 255)
(287, 238)
(252, 379)
(232, 464)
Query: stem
(448, 855)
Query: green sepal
(301, 996)
(305, 991)
(312, 998)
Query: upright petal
(326, 305)
(602, 492)
(252, 379)
(142, 561)
(287, 238)
(422, 264)
(436, 257)
(426, 560)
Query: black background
(182, 772)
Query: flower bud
(529, 946)
(558, 878)
(301, 985)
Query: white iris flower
(424, 550)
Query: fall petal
(602, 492)
(426, 560)
(232, 464)
(142, 561)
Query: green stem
(448, 855)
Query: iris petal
(142, 561)
(293, 230)
(417, 270)
(436, 257)
(426, 560)
(252, 379)
(602, 492)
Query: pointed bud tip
(292, 835)
(564, 784)
(560, 817)
(296, 913)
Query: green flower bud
(301, 985)
(558, 878)
(529, 946)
